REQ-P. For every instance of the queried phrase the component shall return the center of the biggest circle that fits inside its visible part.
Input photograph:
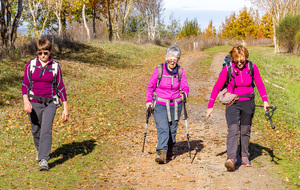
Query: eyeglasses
(172, 61)
(41, 53)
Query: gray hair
(173, 50)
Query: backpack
(54, 69)
(160, 75)
(227, 63)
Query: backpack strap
(251, 71)
(179, 74)
(160, 72)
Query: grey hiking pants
(41, 119)
(239, 113)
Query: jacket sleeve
(184, 84)
(152, 85)
(25, 83)
(60, 85)
(217, 87)
(259, 84)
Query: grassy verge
(101, 81)
(282, 70)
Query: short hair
(173, 50)
(238, 51)
(43, 44)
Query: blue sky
(203, 10)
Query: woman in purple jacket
(241, 111)
(166, 96)
(41, 87)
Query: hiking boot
(229, 164)
(43, 165)
(161, 157)
(246, 162)
(170, 153)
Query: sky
(203, 10)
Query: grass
(101, 81)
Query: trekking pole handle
(148, 113)
(184, 107)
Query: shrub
(287, 31)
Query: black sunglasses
(41, 53)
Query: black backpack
(227, 63)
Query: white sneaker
(43, 165)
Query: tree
(240, 26)
(9, 27)
(151, 11)
(278, 9)
(174, 26)
(190, 28)
(210, 31)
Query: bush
(287, 31)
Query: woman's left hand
(182, 96)
(266, 105)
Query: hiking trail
(137, 170)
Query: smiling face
(239, 61)
(172, 62)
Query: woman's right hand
(209, 112)
(27, 104)
(149, 104)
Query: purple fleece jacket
(43, 86)
(164, 88)
(243, 81)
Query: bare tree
(151, 11)
(84, 22)
(9, 28)
(278, 9)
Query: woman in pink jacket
(165, 97)
(241, 111)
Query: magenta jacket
(43, 86)
(243, 81)
(164, 88)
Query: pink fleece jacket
(243, 82)
(43, 86)
(164, 88)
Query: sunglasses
(45, 53)
(242, 62)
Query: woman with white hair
(165, 93)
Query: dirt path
(208, 143)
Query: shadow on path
(181, 148)
(68, 151)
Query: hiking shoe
(161, 157)
(229, 164)
(246, 162)
(43, 165)
(170, 153)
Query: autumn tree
(9, 21)
(278, 9)
(265, 29)
(240, 26)
(210, 31)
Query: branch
(277, 86)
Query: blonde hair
(238, 51)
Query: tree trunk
(94, 21)
(110, 31)
(84, 22)
(16, 22)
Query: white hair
(173, 50)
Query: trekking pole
(186, 124)
(148, 114)
(268, 115)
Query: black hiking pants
(238, 114)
